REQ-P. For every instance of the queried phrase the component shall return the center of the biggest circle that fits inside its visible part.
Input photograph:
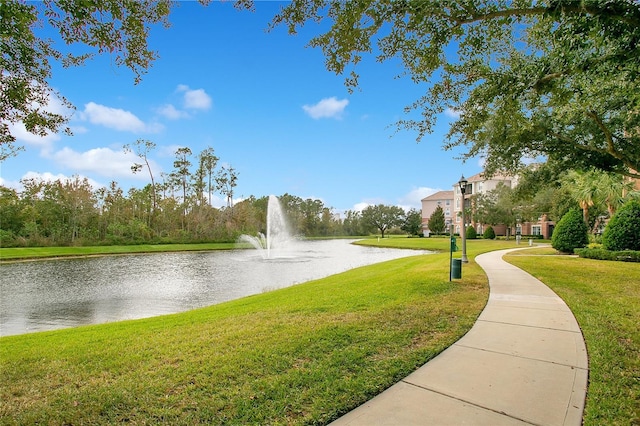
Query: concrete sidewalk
(523, 362)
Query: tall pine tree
(437, 224)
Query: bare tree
(226, 181)
(142, 148)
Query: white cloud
(103, 161)
(197, 99)
(22, 135)
(53, 105)
(219, 202)
(79, 130)
(10, 184)
(360, 206)
(452, 113)
(326, 108)
(171, 112)
(414, 197)
(168, 150)
(113, 118)
(57, 106)
(194, 98)
(155, 127)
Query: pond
(53, 294)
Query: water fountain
(278, 242)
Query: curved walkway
(524, 362)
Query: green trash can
(456, 268)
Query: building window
(536, 230)
(447, 212)
(448, 202)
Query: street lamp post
(450, 230)
(463, 187)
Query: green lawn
(18, 253)
(303, 354)
(309, 353)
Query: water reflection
(48, 295)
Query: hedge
(602, 254)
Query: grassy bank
(304, 354)
(605, 299)
(309, 353)
(21, 253)
(29, 253)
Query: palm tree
(613, 190)
(583, 187)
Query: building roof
(440, 195)
(481, 178)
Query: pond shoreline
(53, 292)
(17, 254)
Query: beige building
(451, 203)
(478, 184)
(443, 199)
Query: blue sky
(263, 101)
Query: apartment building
(443, 199)
(451, 203)
(478, 184)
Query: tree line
(71, 212)
(175, 207)
(557, 79)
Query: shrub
(532, 237)
(623, 230)
(601, 254)
(489, 234)
(7, 239)
(570, 233)
(471, 233)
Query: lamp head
(463, 184)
